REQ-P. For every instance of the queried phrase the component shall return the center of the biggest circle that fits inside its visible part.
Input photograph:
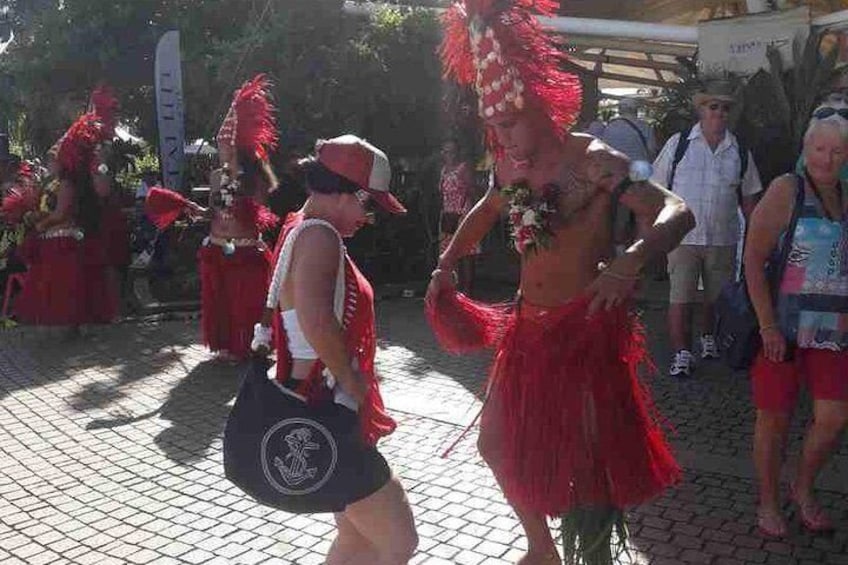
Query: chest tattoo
(576, 193)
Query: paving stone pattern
(111, 453)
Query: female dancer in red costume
(55, 289)
(234, 261)
(114, 225)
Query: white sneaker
(709, 349)
(682, 365)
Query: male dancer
(567, 428)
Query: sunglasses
(723, 106)
(823, 113)
(368, 204)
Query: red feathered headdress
(250, 125)
(24, 196)
(77, 147)
(105, 105)
(500, 48)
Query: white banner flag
(169, 109)
(739, 44)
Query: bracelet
(454, 277)
(620, 277)
(768, 327)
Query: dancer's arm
(471, 230)
(663, 215)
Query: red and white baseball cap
(360, 162)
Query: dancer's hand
(195, 211)
(440, 280)
(614, 286)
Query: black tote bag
(295, 456)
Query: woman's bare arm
(768, 220)
(315, 264)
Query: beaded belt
(235, 242)
(75, 233)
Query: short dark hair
(322, 180)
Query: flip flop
(771, 525)
(814, 519)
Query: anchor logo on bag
(294, 468)
(298, 456)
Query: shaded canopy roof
(683, 12)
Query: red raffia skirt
(232, 296)
(54, 292)
(102, 295)
(577, 426)
(116, 233)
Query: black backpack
(683, 145)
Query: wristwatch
(640, 171)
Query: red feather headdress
(500, 48)
(77, 147)
(250, 125)
(24, 196)
(104, 103)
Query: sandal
(771, 525)
(813, 517)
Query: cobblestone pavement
(111, 453)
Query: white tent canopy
(200, 147)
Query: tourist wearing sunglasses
(715, 174)
(835, 109)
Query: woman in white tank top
(326, 306)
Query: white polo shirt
(708, 182)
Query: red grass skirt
(232, 296)
(102, 293)
(54, 292)
(578, 427)
(116, 233)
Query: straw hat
(720, 90)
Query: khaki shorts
(716, 265)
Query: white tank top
(298, 345)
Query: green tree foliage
(334, 72)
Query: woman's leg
(769, 440)
(385, 520)
(829, 421)
(540, 545)
(350, 547)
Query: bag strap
(638, 131)
(679, 152)
(743, 168)
(776, 274)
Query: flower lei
(229, 188)
(531, 215)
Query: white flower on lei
(529, 218)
